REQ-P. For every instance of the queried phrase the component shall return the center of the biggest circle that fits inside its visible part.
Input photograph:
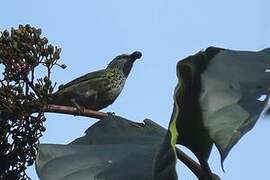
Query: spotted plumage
(96, 90)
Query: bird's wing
(92, 75)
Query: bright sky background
(91, 33)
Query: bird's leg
(79, 108)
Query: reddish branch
(73, 111)
(190, 163)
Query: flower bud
(50, 49)
(6, 33)
(63, 66)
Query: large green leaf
(113, 148)
(217, 96)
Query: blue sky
(92, 32)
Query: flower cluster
(22, 51)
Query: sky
(91, 33)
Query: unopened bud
(27, 27)
(50, 49)
(20, 26)
(42, 128)
(6, 33)
(46, 79)
(38, 31)
(63, 66)
(44, 41)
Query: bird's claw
(80, 110)
(111, 113)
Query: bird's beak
(135, 55)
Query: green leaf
(217, 96)
(113, 148)
(231, 85)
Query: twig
(193, 166)
(73, 111)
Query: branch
(73, 111)
(189, 162)
(194, 166)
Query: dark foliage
(23, 50)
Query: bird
(99, 89)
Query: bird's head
(125, 62)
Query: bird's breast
(116, 86)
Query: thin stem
(32, 86)
(32, 76)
